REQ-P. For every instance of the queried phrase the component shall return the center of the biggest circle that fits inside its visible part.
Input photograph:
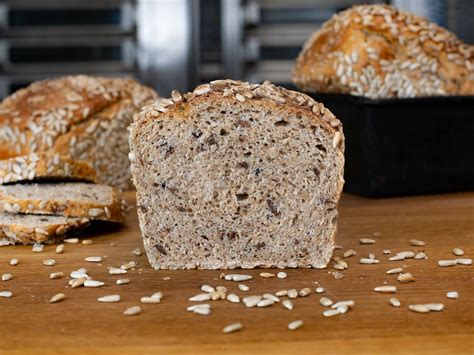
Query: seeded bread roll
(73, 199)
(379, 52)
(80, 116)
(237, 175)
(30, 229)
(45, 166)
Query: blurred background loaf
(80, 116)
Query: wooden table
(80, 324)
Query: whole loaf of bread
(237, 175)
(379, 52)
(83, 117)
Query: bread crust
(13, 233)
(380, 52)
(112, 212)
(66, 115)
(44, 166)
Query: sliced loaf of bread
(237, 175)
(29, 229)
(45, 166)
(73, 199)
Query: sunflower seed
(243, 287)
(202, 305)
(132, 311)
(157, 295)
(421, 255)
(266, 302)
(349, 253)
(330, 312)
(116, 271)
(201, 297)
(56, 275)
(93, 283)
(342, 309)
(137, 252)
(78, 282)
(233, 298)
(452, 294)
(60, 249)
(58, 297)
(395, 302)
(207, 288)
(458, 252)
(37, 248)
(281, 293)
(202, 311)
(93, 259)
(86, 242)
(386, 289)
(282, 275)
(109, 298)
(419, 308)
(237, 277)
(96, 212)
(129, 265)
(252, 301)
(295, 324)
(149, 300)
(122, 281)
(7, 277)
(348, 303)
(394, 271)
(79, 274)
(437, 307)
(71, 240)
(287, 304)
(368, 261)
(232, 328)
(464, 261)
(320, 289)
(5, 294)
(386, 252)
(266, 275)
(14, 262)
(304, 292)
(292, 293)
(417, 243)
(49, 262)
(447, 262)
(406, 277)
(326, 302)
(365, 241)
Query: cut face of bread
(29, 229)
(73, 199)
(45, 166)
(237, 175)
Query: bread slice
(74, 199)
(378, 51)
(237, 175)
(29, 229)
(45, 166)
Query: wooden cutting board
(80, 324)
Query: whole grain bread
(29, 229)
(45, 166)
(80, 116)
(72, 199)
(237, 175)
(379, 52)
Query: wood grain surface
(80, 324)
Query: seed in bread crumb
(287, 304)
(37, 248)
(406, 277)
(71, 240)
(386, 289)
(14, 262)
(417, 243)
(231, 328)
(282, 275)
(7, 277)
(458, 252)
(131, 311)
(56, 275)
(395, 302)
(5, 294)
(295, 324)
(320, 289)
(93, 259)
(57, 298)
(137, 252)
(86, 242)
(365, 241)
(122, 281)
(266, 274)
(243, 287)
(109, 299)
(349, 253)
(49, 262)
(60, 249)
(452, 294)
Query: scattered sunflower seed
(437, 307)
(320, 290)
(271, 297)
(326, 302)
(292, 293)
(282, 275)
(232, 297)
(266, 274)
(287, 304)
(116, 271)
(447, 262)
(14, 262)
(37, 248)
(201, 297)
(295, 324)
(150, 300)
(349, 253)
(387, 251)
(419, 308)
(57, 298)
(452, 294)
(266, 302)
(49, 262)
(458, 252)
(5, 294)
(237, 277)
(386, 289)
(93, 259)
(93, 283)
(251, 301)
(304, 292)
(129, 265)
(243, 287)
(395, 302)
(78, 282)
(109, 298)
(132, 311)
(234, 327)
(464, 261)
(122, 281)
(157, 295)
(86, 242)
(137, 252)
(7, 277)
(202, 305)
(348, 303)
(79, 274)
(342, 309)
(60, 249)
(202, 311)
(365, 241)
(368, 261)
(207, 288)
(71, 240)
(281, 293)
(421, 255)
(330, 312)
(56, 275)
(397, 270)
(406, 277)
(417, 243)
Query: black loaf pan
(397, 147)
